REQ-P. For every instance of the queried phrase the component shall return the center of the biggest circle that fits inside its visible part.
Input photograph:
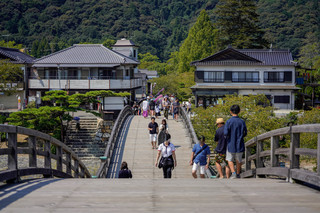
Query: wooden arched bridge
(68, 186)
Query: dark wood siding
(199, 75)
(288, 76)
(228, 76)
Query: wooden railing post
(295, 143)
(82, 172)
(274, 145)
(47, 158)
(259, 149)
(59, 160)
(68, 166)
(33, 151)
(13, 156)
(318, 155)
(247, 154)
(76, 166)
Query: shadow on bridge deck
(160, 195)
(11, 193)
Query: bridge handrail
(13, 173)
(105, 159)
(186, 120)
(293, 172)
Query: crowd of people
(229, 137)
(168, 105)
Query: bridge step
(83, 143)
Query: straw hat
(220, 121)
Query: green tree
(109, 43)
(238, 24)
(9, 73)
(147, 60)
(259, 119)
(200, 43)
(10, 44)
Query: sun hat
(220, 121)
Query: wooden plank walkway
(141, 158)
(158, 195)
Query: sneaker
(238, 176)
(233, 176)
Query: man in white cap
(221, 148)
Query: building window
(270, 77)
(245, 76)
(135, 53)
(213, 77)
(285, 99)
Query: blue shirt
(222, 142)
(235, 130)
(202, 157)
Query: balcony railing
(246, 80)
(213, 80)
(84, 84)
(274, 80)
(82, 78)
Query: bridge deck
(141, 158)
(158, 195)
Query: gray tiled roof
(86, 54)
(16, 55)
(243, 57)
(124, 42)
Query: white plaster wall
(119, 84)
(79, 84)
(100, 84)
(38, 84)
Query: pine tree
(200, 43)
(34, 49)
(237, 22)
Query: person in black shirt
(221, 148)
(153, 131)
(124, 171)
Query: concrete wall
(11, 102)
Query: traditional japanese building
(232, 71)
(17, 100)
(85, 67)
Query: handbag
(161, 162)
(166, 162)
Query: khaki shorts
(234, 156)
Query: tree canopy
(238, 24)
(9, 76)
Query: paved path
(159, 195)
(141, 158)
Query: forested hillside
(158, 26)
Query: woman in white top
(164, 126)
(168, 157)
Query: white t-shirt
(166, 151)
(145, 105)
